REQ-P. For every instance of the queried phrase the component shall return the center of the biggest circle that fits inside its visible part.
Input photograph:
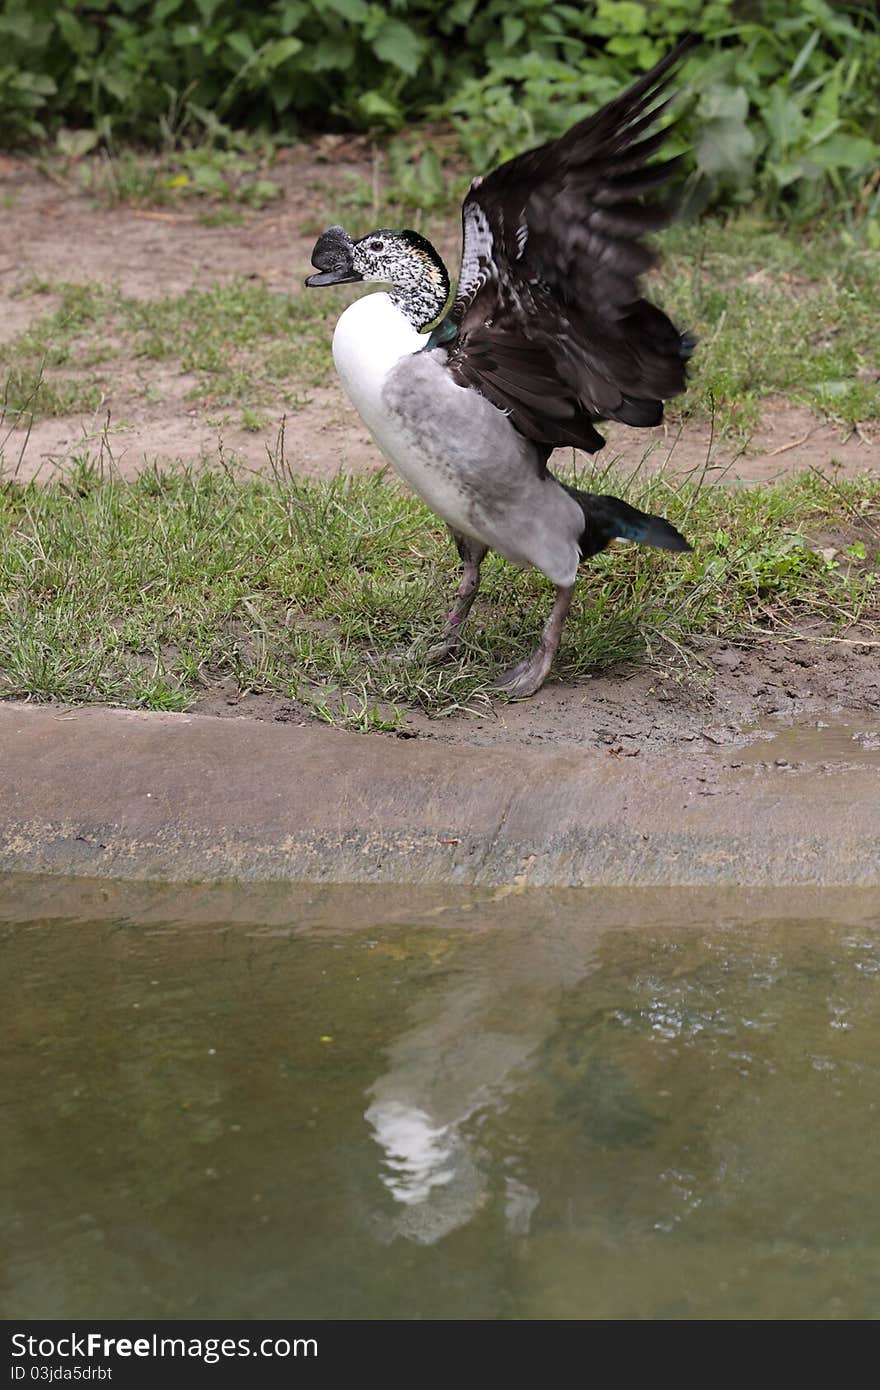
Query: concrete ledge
(115, 793)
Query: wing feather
(548, 318)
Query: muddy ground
(723, 695)
(730, 698)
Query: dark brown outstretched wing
(549, 323)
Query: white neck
(370, 338)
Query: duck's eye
(377, 246)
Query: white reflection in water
(419, 1155)
(449, 1068)
(429, 1171)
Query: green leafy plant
(784, 97)
(785, 113)
(782, 107)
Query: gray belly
(465, 460)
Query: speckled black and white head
(405, 260)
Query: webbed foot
(523, 679)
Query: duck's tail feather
(609, 518)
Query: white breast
(450, 445)
(370, 338)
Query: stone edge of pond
(93, 792)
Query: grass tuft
(775, 315)
(143, 593)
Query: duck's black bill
(333, 277)
(333, 258)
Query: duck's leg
(472, 555)
(529, 675)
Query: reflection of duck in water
(441, 1073)
(453, 1064)
(427, 1169)
(440, 1076)
(431, 1172)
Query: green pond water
(385, 1104)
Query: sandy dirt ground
(51, 232)
(725, 696)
